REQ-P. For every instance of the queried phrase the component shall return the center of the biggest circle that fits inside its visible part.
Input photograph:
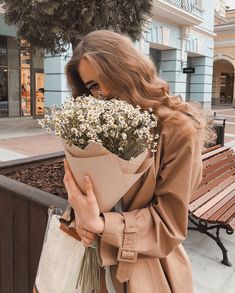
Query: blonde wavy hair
(131, 76)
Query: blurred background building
(21, 75)
(191, 42)
(180, 41)
(223, 92)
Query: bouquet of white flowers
(111, 141)
(122, 129)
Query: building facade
(179, 39)
(224, 57)
(21, 75)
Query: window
(155, 56)
(3, 51)
(3, 77)
(39, 79)
(3, 93)
(226, 88)
(25, 78)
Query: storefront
(31, 80)
(224, 60)
(21, 79)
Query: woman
(142, 244)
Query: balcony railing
(182, 12)
(187, 5)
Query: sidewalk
(23, 137)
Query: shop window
(3, 92)
(39, 79)
(3, 77)
(25, 78)
(226, 88)
(3, 51)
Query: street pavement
(23, 137)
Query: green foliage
(50, 24)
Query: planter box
(23, 219)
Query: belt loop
(127, 254)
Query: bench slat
(215, 152)
(227, 215)
(217, 158)
(200, 211)
(225, 212)
(196, 202)
(202, 190)
(215, 211)
(225, 168)
(218, 164)
(206, 150)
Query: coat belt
(127, 254)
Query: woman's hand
(85, 206)
(87, 237)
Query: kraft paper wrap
(111, 176)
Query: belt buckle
(127, 255)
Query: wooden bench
(212, 206)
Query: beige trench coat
(143, 244)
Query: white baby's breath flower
(112, 133)
(124, 136)
(123, 129)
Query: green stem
(89, 275)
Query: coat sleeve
(163, 224)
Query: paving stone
(33, 145)
(208, 274)
(207, 247)
(229, 285)
(7, 155)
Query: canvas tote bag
(60, 259)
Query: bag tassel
(89, 275)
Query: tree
(54, 24)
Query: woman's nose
(100, 93)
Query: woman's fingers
(83, 233)
(89, 188)
(85, 204)
(87, 237)
(86, 242)
(70, 184)
(68, 177)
